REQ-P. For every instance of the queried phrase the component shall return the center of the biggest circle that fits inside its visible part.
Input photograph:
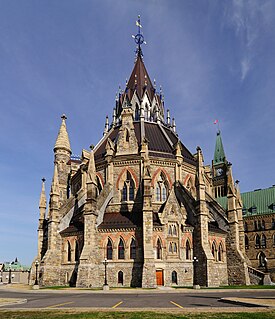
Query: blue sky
(214, 60)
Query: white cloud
(248, 18)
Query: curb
(244, 303)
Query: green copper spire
(219, 155)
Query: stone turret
(62, 155)
(42, 215)
(201, 245)
(237, 267)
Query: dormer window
(254, 209)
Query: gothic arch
(165, 174)
(123, 175)
(159, 248)
(109, 248)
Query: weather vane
(139, 38)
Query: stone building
(142, 201)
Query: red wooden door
(159, 275)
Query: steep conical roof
(139, 80)
(219, 155)
(62, 141)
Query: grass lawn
(131, 315)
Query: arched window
(175, 248)
(263, 241)
(128, 190)
(157, 193)
(121, 249)
(146, 113)
(99, 186)
(159, 249)
(263, 225)
(214, 250)
(120, 277)
(170, 230)
(255, 225)
(174, 277)
(109, 250)
(220, 252)
(246, 241)
(174, 230)
(245, 227)
(170, 249)
(259, 225)
(257, 241)
(137, 112)
(161, 189)
(76, 252)
(262, 259)
(69, 251)
(188, 250)
(133, 249)
(273, 223)
(127, 136)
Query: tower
(62, 155)
(219, 169)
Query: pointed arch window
(161, 189)
(262, 259)
(273, 240)
(121, 249)
(263, 241)
(170, 248)
(214, 250)
(76, 252)
(170, 230)
(220, 252)
(257, 241)
(188, 250)
(245, 227)
(109, 250)
(69, 251)
(174, 277)
(146, 112)
(159, 249)
(120, 277)
(128, 190)
(273, 223)
(263, 225)
(175, 248)
(127, 136)
(99, 185)
(246, 241)
(133, 249)
(174, 230)
(137, 112)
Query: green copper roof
(219, 155)
(258, 202)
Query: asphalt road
(132, 300)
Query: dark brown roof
(73, 228)
(158, 145)
(121, 220)
(214, 228)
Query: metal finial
(43, 179)
(64, 117)
(92, 146)
(139, 38)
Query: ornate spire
(219, 155)
(55, 182)
(139, 38)
(62, 141)
(43, 201)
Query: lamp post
(9, 281)
(195, 263)
(36, 271)
(105, 286)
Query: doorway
(159, 276)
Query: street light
(105, 262)
(9, 282)
(36, 269)
(195, 263)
